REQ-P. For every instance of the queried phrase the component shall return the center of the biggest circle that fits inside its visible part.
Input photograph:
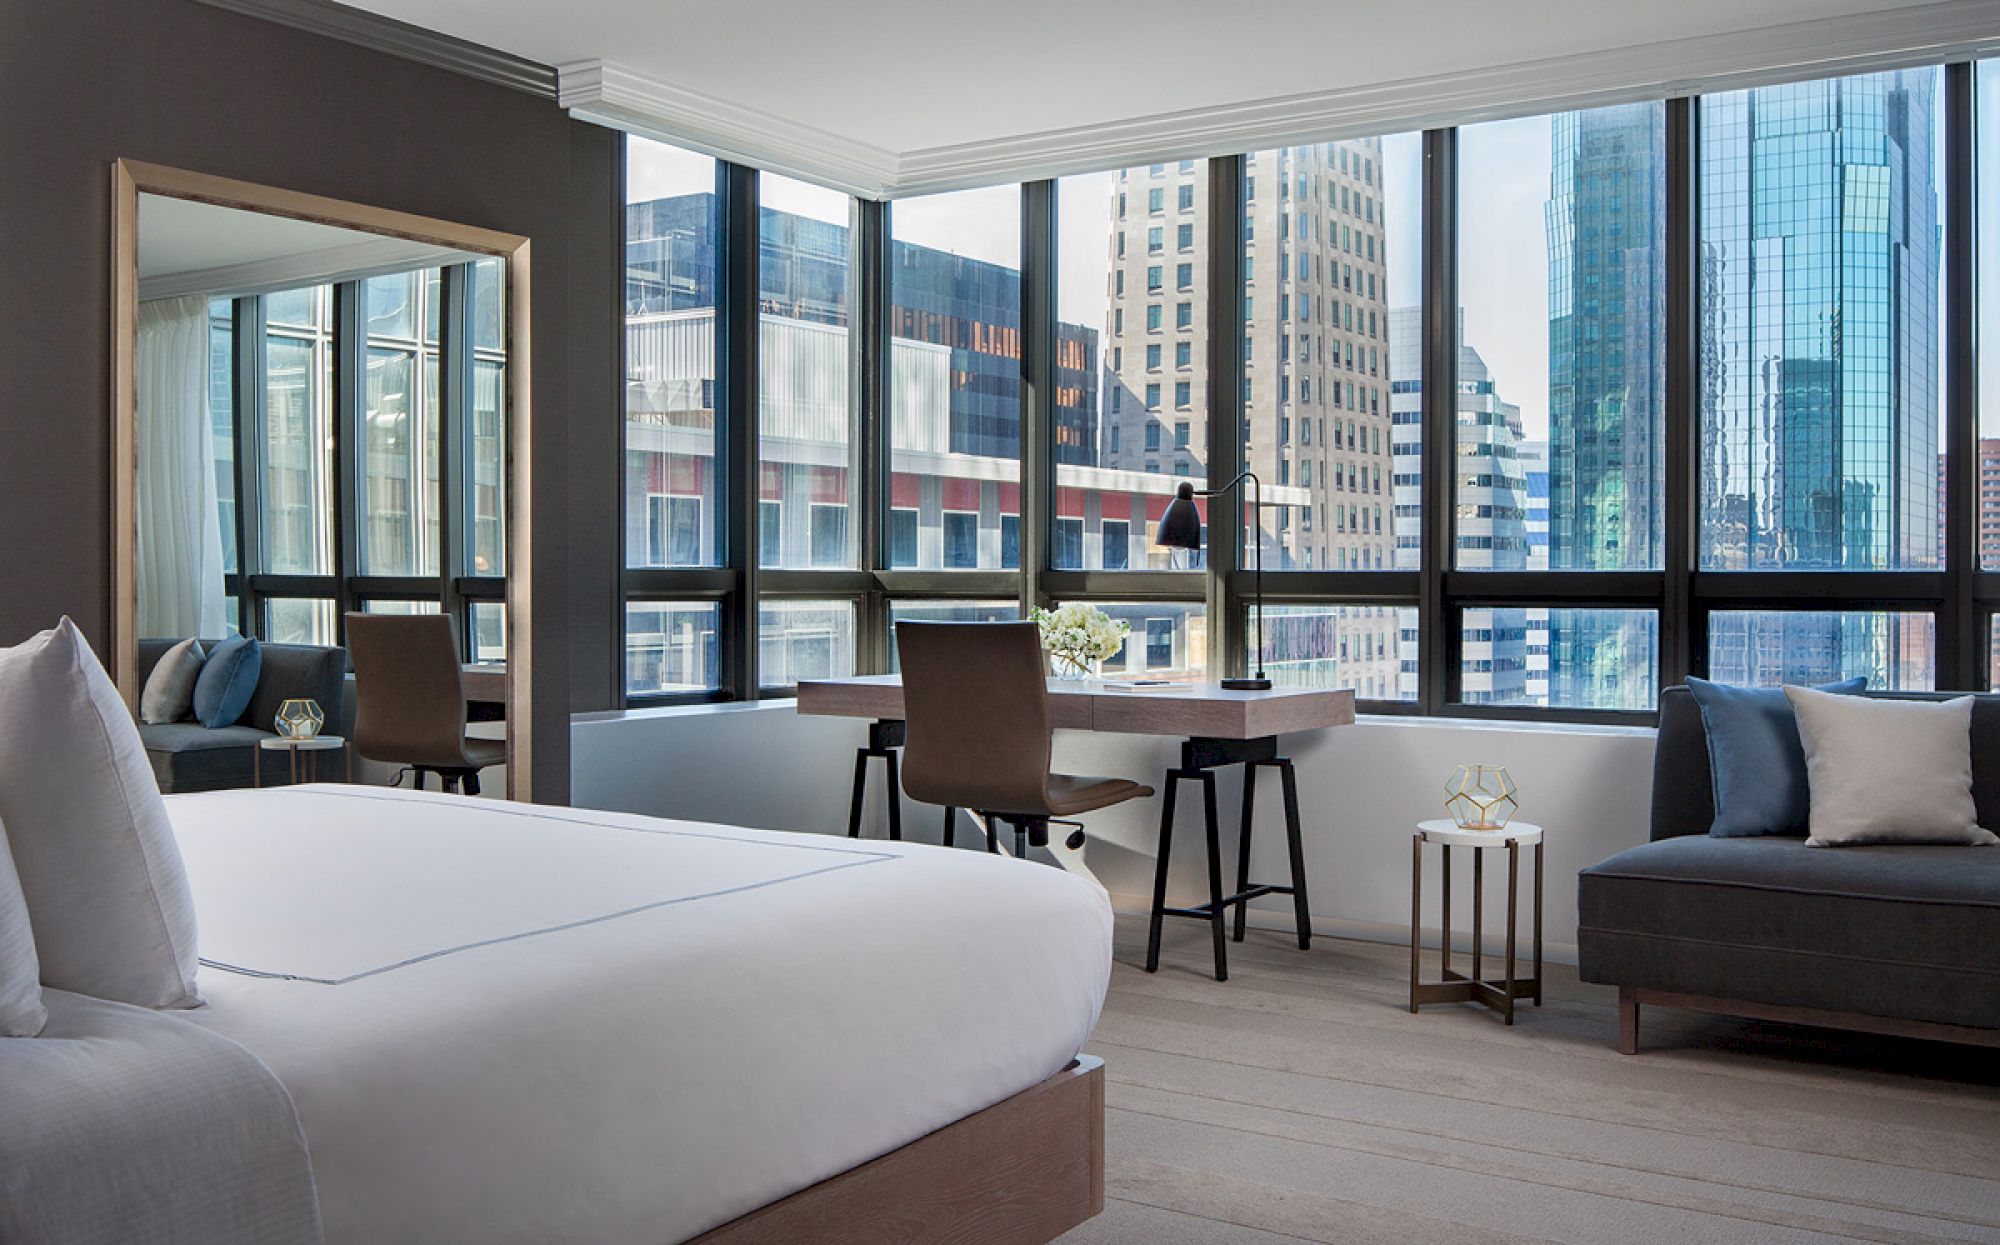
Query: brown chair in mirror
(978, 734)
(409, 703)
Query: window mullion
(1679, 653)
(1962, 660)
(1438, 639)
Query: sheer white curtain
(180, 532)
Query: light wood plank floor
(1301, 1101)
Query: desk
(485, 684)
(1219, 727)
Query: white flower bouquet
(1077, 637)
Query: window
(1562, 377)
(1304, 352)
(955, 316)
(399, 480)
(1764, 648)
(804, 427)
(672, 237)
(1559, 658)
(961, 540)
(804, 640)
(670, 647)
(902, 538)
(1353, 646)
(1115, 549)
(829, 535)
(1108, 489)
(279, 536)
(945, 611)
(673, 529)
(770, 532)
(298, 485)
(1167, 639)
(1813, 343)
(1820, 419)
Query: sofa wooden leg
(1628, 1021)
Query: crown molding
(347, 262)
(1948, 30)
(398, 38)
(609, 94)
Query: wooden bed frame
(1022, 1172)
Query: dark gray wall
(84, 82)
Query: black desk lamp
(1180, 528)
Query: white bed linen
(503, 1023)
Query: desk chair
(409, 704)
(978, 732)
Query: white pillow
(21, 1010)
(1887, 771)
(169, 692)
(96, 855)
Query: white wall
(1361, 790)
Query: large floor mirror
(320, 411)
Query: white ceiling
(187, 247)
(898, 83)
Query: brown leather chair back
(976, 711)
(409, 705)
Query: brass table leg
(1513, 898)
(1416, 914)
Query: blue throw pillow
(228, 680)
(1755, 760)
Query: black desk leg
(1218, 915)
(1300, 908)
(860, 791)
(884, 738)
(950, 838)
(895, 796)
(1160, 871)
(1243, 844)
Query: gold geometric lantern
(1480, 797)
(299, 719)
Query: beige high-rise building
(1317, 412)
(1317, 369)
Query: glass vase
(1072, 667)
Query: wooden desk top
(1203, 709)
(484, 681)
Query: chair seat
(1077, 793)
(484, 752)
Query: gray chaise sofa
(188, 756)
(1887, 939)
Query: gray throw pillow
(1888, 771)
(169, 692)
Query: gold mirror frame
(130, 179)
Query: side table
(304, 756)
(1454, 987)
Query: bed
(505, 1023)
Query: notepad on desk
(1145, 685)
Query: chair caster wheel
(1075, 841)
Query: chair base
(455, 781)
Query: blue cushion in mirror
(228, 680)
(1755, 760)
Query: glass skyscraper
(1606, 220)
(1819, 367)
